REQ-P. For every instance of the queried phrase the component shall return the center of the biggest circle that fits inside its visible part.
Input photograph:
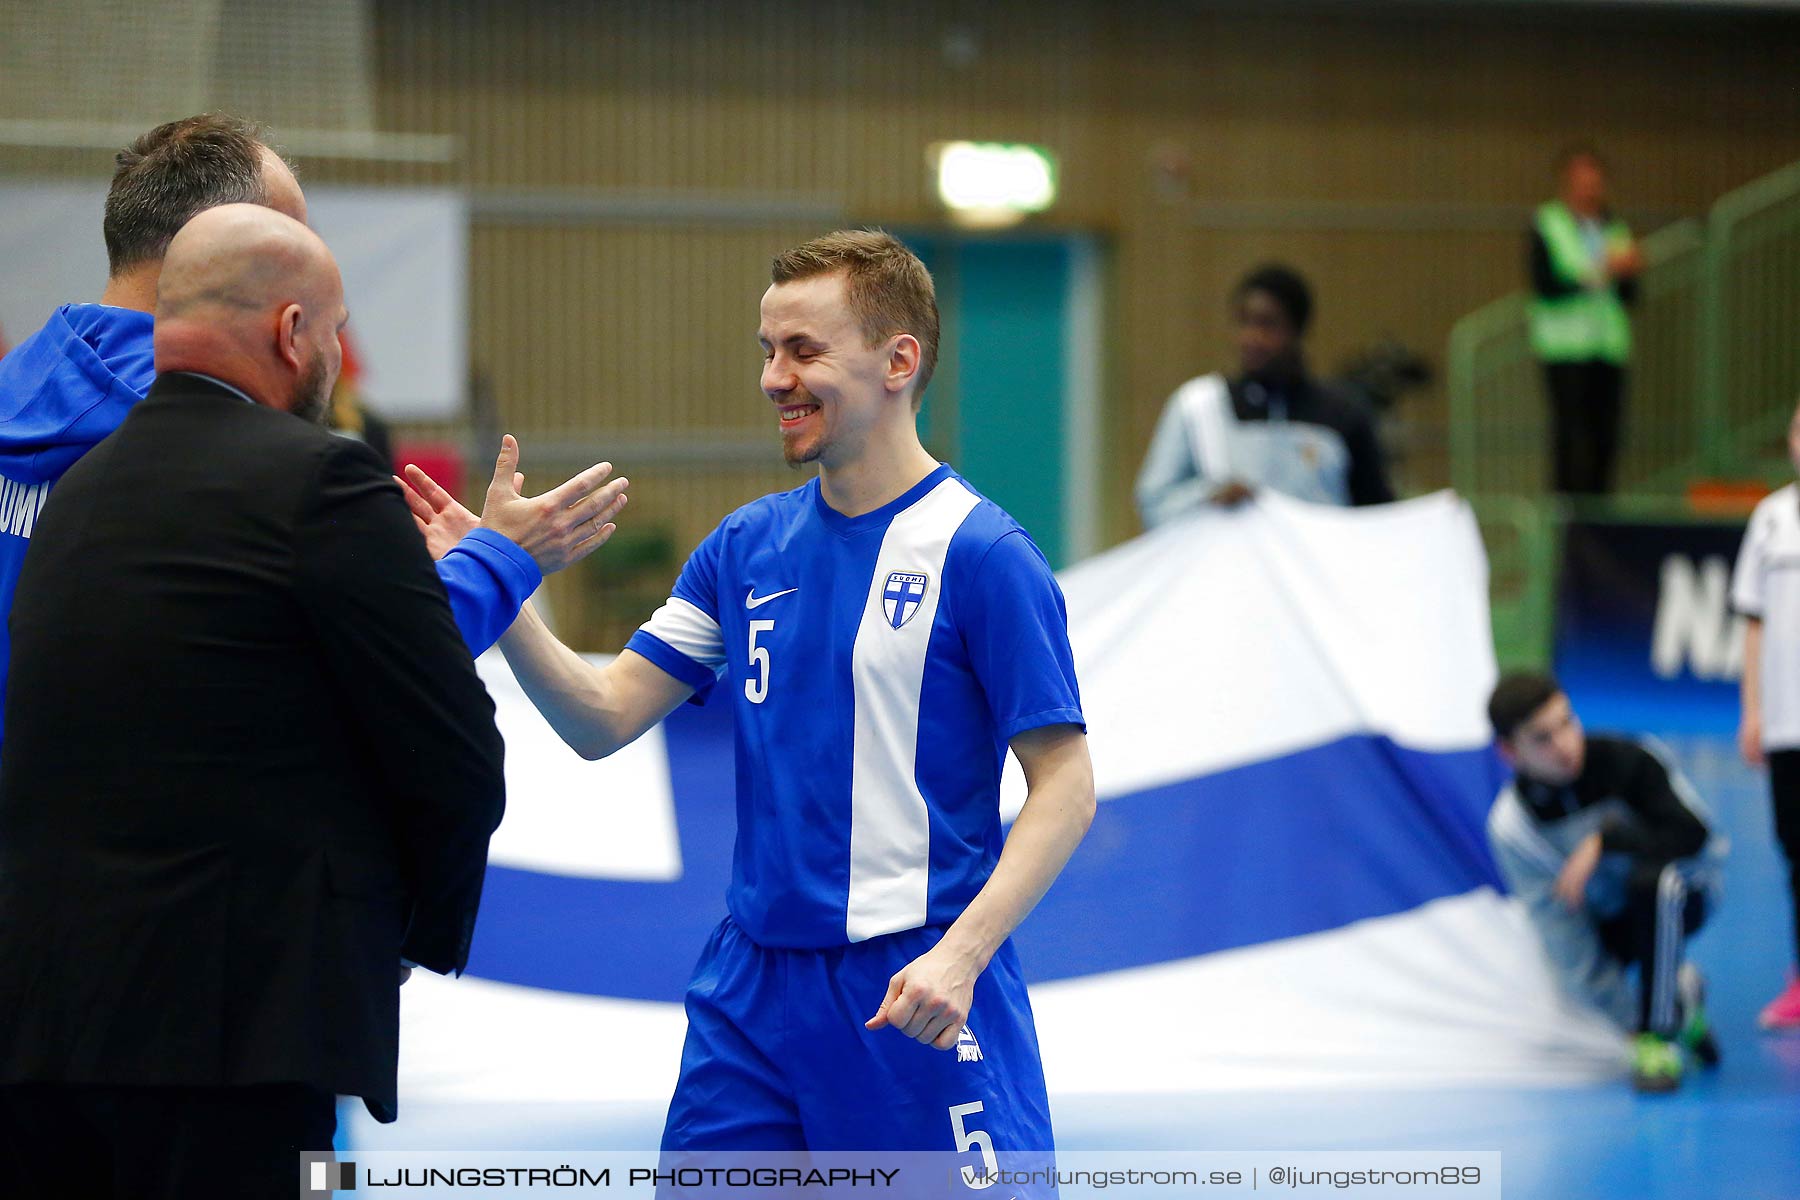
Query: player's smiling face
(826, 382)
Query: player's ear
(1507, 754)
(903, 361)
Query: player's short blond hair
(888, 289)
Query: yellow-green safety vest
(1585, 325)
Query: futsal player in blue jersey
(885, 634)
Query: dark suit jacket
(248, 763)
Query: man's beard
(801, 457)
(311, 398)
(803, 454)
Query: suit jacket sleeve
(404, 679)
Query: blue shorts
(777, 1057)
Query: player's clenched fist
(929, 999)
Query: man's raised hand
(561, 527)
(442, 521)
(565, 524)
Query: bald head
(252, 297)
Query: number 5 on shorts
(971, 1139)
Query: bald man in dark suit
(249, 769)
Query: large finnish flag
(1287, 883)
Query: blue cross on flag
(902, 596)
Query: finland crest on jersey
(901, 598)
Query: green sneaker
(1656, 1064)
(1696, 1031)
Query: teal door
(1014, 406)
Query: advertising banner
(1645, 636)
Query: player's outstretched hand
(442, 521)
(929, 999)
(560, 527)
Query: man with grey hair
(208, 906)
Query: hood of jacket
(69, 385)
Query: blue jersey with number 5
(878, 666)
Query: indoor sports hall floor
(1731, 1135)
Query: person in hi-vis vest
(1584, 272)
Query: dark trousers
(1651, 932)
(1587, 400)
(90, 1142)
(1784, 796)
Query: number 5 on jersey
(756, 688)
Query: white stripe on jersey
(890, 831)
(686, 627)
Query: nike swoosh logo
(752, 600)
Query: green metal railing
(1714, 379)
(1750, 321)
(1499, 420)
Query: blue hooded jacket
(71, 383)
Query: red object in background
(443, 461)
(350, 370)
(1725, 497)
